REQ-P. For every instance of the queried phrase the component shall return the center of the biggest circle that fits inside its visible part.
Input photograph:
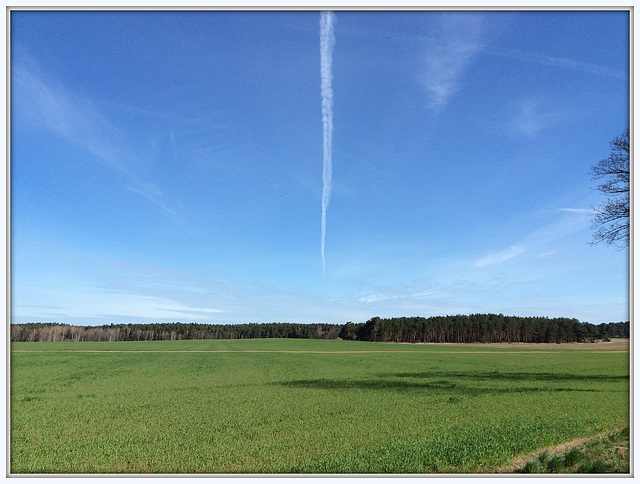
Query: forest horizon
(474, 328)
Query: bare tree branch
(611, 221)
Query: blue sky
(168, 166)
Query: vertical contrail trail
(327, 42)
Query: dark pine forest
(475, 328)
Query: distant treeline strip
(475, 328)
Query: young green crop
(302, 406)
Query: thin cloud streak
(588, 211)
(327, 41)
(518, 55)
(151, 199)
(561, 62)
(499, 257)
(55, 108)
(541, 239)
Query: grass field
(304, 406)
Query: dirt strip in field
(521, 460)
(614, 346)
(304, 351)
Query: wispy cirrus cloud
(523, 277)
(43, 102)
(494, 258)
(375, 297)
(588, 211)
(448, 55)
(532, 116)
(560, 62)
(102, 306)
(151, 192)
(542, 241)
(460, 40)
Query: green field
(303, 406)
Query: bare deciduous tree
(611, 221)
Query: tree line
(170, 331)
(475, 328)
(484, 328)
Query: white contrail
(327, 41)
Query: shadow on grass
(461, 383)
(506, 376)
(434, 387)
